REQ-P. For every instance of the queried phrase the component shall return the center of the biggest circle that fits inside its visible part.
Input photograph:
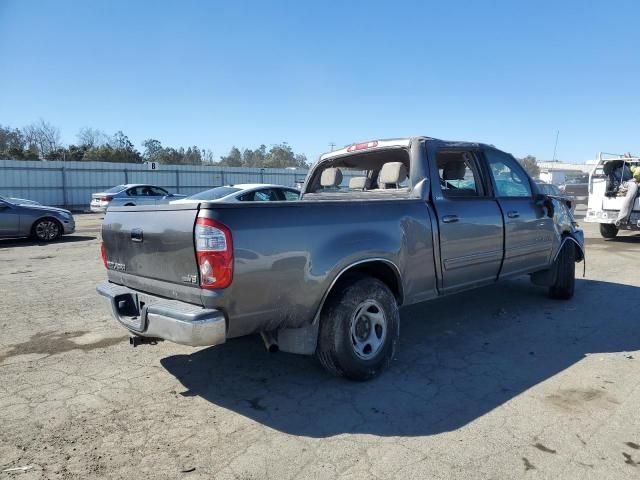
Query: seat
(359, 183)
(455, 170)
(391, 175)
(331, 178)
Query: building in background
(559, 172)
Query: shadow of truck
(459, 357)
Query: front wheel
(46, 230)
(608, 230)
(359, 329)
(565, 265)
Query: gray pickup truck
(379, 225)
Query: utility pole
(555, 147)
(332, 145)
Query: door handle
(450, 219)
(513, 214)
(136, 235)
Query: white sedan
(244, 192)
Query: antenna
(332, 145)
(555, 147)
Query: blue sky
(218, 74)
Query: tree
(91, 137)
(152, 148)
(530, 164)
(13, 145)
(233, 159)
(44, 137)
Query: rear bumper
(150, 316)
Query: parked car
(605, 201)
(244, 192)
(130, 195)
(379, 225)
(44, 224)
(577, 190)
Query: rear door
(469, 220)
(529, 232)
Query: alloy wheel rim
(47, 230)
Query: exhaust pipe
(135, 340)
(270, 342)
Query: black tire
(608, 230)
(46, 230)
(565, 281)
(352, 341)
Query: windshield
(214, 193)
(115, 189)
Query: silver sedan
(130, 195)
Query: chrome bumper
(150, 316)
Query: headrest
(358, 183)
(392, 172)
(454, 170)
(331, 177)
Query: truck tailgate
(151, 242)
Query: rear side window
(509, 178)
(459, 174)
(290, 195)
(264, 195)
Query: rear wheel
(46, 230)
(564, 285)
(359, 329)
(608, 230)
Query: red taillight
(103, 253)
(108, 198)
(362, 146)
(214, 252)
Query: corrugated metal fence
(70, 184)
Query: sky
(218, 74)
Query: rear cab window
(380, 172)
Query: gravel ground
(496, 383)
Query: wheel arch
(381, 268)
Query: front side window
(509, 178)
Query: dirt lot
(497, 383)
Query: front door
(529, 231)
(469, 221)
(9, 220)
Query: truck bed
(286, 254)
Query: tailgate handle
(136, 235)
